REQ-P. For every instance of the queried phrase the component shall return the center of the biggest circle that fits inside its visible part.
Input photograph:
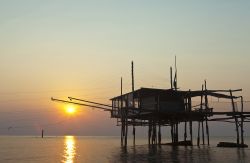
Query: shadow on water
(241, 154)
(178, 154)
(155, 153)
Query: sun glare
(70, 110)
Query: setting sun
(70, 110)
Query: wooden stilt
(42, 133)
(242, 121)
(191, 131)
(235, 118)
(185, 131)
(126, 128)
(122, 117)
(198, 138)
(122, 132)
(177, 137)
(190, 121)
(206, 106)
(149, 132)
(154, 134)
(203, 137)
(159, 134)
(172, 133)
(207, 131)
(133, 135)
(199, 122)
(242, 130)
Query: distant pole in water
(42, 132)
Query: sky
(80, 48)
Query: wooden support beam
(207, 132)
(236, 119)
(198, 137)
(202, 130)
(153, 134)
(122, 117)
(190, 121)
(159, 134)
(126, 128)
(191, 131)
(171, 77)
(149, 132)
(242, 121)
(206, 106)
(133, 134)
(172, 133)
(177, 136)
(185, 131)
(133, 89)
(199, 122)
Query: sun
(70, 110)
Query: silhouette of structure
(157, 108)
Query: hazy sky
(81, 48)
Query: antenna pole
(133, 88)
(171, 77)
(175, 74)
(132, 76)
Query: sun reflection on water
(69, 149)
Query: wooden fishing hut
(157, 108)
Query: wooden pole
(202, 128)
(175, 74)
(122, 129)
(159, 134)
(242, 120)
(133, 84)
(133, 134)
(191, 131)
(149, 132)
(185, 131)
(207, 131)
(206, 106)
(42, 133)
(126, 129)
(154, 133)
(177, 137)
(236, 119)
(122, 117)
(171, 77)
(199, 122)
(172, 133)
(133, 89)
(198, 138)
(156, 139)
(190, 121)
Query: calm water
(71, 149)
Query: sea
(101, 149)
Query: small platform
(231, 145)
(180, 143)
